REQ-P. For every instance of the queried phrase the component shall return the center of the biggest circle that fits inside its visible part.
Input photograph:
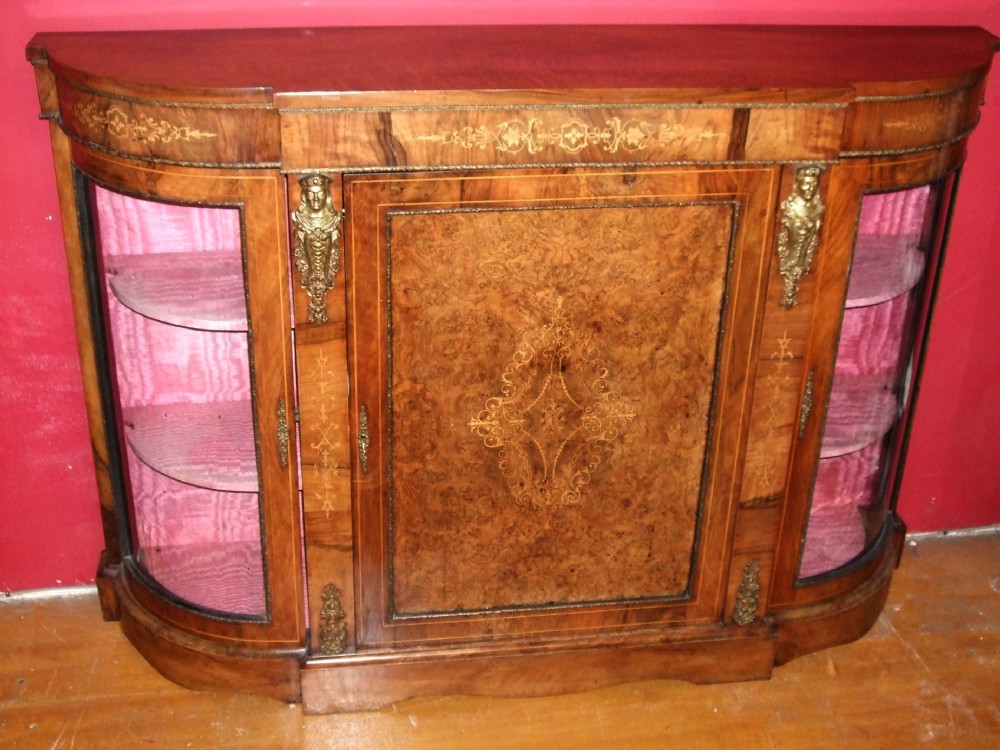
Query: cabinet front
(548, 395)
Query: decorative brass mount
(807, 403)
(332, 627)
(317, 249)
(282, 433)
(364, 438)
(801, 218)
(745, 611)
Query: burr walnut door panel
(548, 396)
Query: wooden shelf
(883, 269)
(208, 445)
(851, 479)
(195, 290)
(861, 412)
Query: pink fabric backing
(163, 364)
(870, 340)
(137, 226)
(898, 213)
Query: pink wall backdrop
(49, 534)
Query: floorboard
(927, 675)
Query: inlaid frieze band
(142, 128)
(572, 136)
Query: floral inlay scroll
(572, 136)
(323, 431)
(549, 439)
(777, 385)
(142, 128)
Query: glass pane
(179, 348)
(871, 380)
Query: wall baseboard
(55, 592)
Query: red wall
(49, 533)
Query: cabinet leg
(106, 574)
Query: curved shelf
(860, 413)
(883, 268)
(194, 290)
(225, 577)
(208, 445)
(849, 479)
(834, 537)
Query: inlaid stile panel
(322, 387)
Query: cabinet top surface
(520, 58)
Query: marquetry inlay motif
(923, 121)
(572, 136)
(550, 443)
(777, 385)
(323, 431)
(143, 128)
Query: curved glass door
(873, 377)
(175, 311)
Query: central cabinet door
(549, 396)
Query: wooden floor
(927, 675)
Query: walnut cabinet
(501, 360)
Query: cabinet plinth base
(701, 655)
(201, 664)
(802, 630)
(698, 654)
